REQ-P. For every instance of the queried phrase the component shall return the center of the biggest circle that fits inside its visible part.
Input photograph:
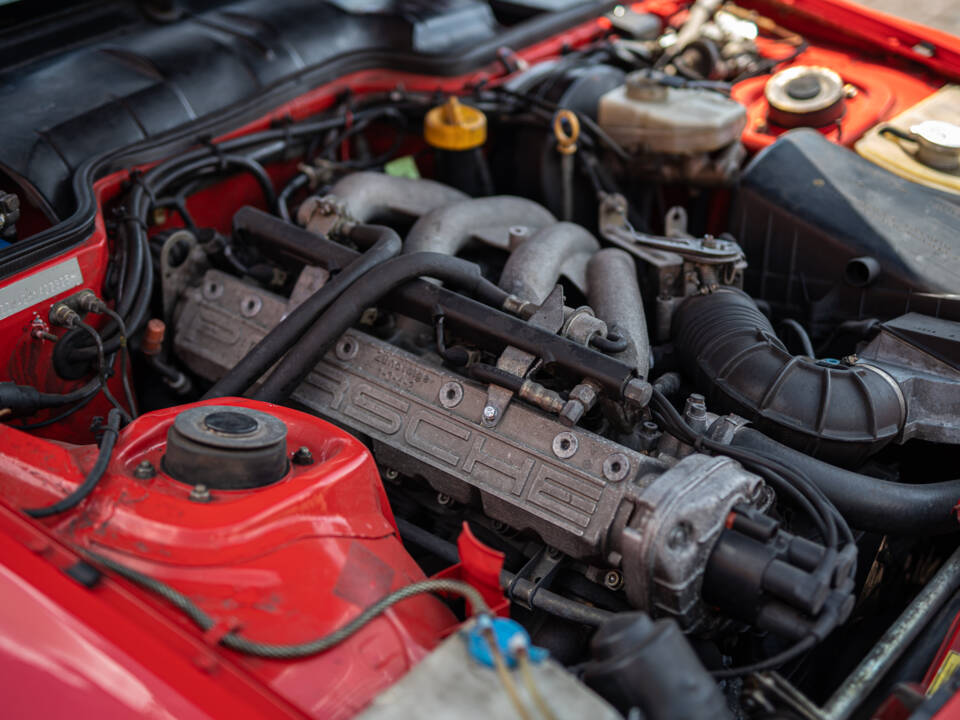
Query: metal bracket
(518, 362)
(709, 250)
(536, 574)
(175, 278)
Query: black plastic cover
(101, 76)
(637, 662)
(938, 337)
(807, 207)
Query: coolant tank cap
(226, 448)
(938, 144)
(805, 96)
(640, 86)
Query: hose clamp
(894, 384)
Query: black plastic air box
(842, 239)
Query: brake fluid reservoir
(644, 115)
(921, 144)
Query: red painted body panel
(29, 361)
(882, 92)
(282, 564)
(293, 561)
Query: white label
(38, 287)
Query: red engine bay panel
(286, 563)
(297, 559)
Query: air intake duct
(837, 412)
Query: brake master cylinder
(645, 115)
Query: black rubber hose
(868, 503)
(107, 443)
(840, 413)
(134, 302)
(27, 399)
(382, 243)
(299, 182)
(497, 376)
(365, 293)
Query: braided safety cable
(287, 652)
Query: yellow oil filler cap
(921, 144)
(455, 126)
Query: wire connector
(70, 311)
(507, 634)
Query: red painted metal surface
(283, 564)
(481, 567)
(29, 359)
(881, 93)
(292, 561)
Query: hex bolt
(490, 414)
(390, 474)
(572, 412)
(613, 580)
(302, 456)
(200, 493)
(444, 500)
(638, 392)
(145, 470)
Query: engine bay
(617, 375)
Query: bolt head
(145, 470)
(680, 535)
(200, 493)
(451, 394)
(572, 412)
(585, 393)
(613, 580)
(616, 467)
(565, 445)
(490, 414)
(711, 243)
(638, 392)
(302, 456)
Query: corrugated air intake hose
(842, 414)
